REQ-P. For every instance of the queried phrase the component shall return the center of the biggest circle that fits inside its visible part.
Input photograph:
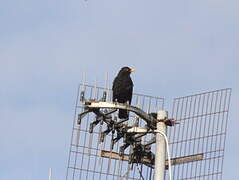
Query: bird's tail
(123, 114)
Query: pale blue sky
(179, 47)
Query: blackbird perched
(123, 90)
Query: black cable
(140, 172)
(150, 174)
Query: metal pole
(160, 153)
(50, 174)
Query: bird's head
(126, 71)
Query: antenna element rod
(50, 174)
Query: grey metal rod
(114, 105)
(160, 153)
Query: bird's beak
(132, 70)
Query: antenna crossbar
(147, 161)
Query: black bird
(123, 90)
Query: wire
(140, 172)
(168, 153)
(150, 175)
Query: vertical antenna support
(50, 174)
(160, 154)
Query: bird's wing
(115, 88)
(122, 88)
(130, 92)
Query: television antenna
(104, 147)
